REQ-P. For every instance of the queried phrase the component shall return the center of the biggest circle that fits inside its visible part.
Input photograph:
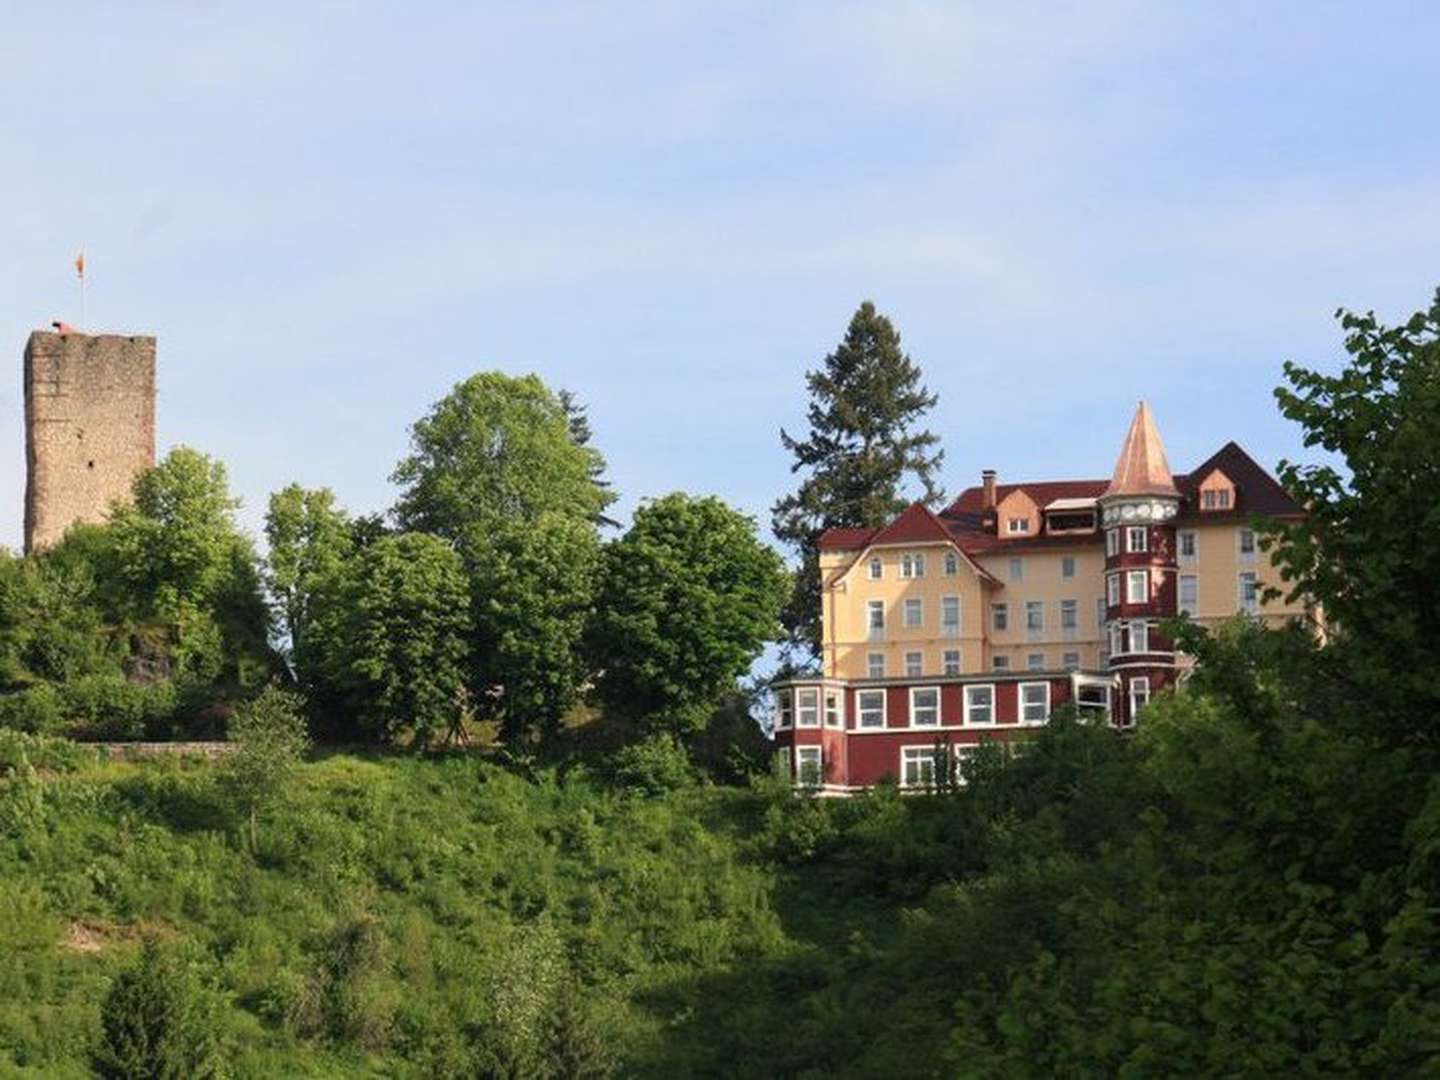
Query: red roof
(971, 500)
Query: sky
(331, 213)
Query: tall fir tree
(866, 441)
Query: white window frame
(1139, 636)
(1100, 611)
(1137, 539)
(1016, 569)
(947, 627)
(834, 702)
(1067, 566)
(1184, 538)
(912, 565)
(876, 625)
(1069, 614)
(802, 753)
(1131, 578)
(1035, 661)
(870, 665)
(952, 564)
(1139, 689)
(1034, 616)
(917, 605)
(920, 756)
(1192, 608)
(784, 710)
(1252, 605)
(877, 568)
(1112, 543)
(1243, 555)
(1000, 617)
(914, 665)
(951, 662)
(1116, 641)
(916, 723)
(862, 711)
(971, 708)
(1112, 590)
(1025, 706)
(801, 708)
(1017, 525)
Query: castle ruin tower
(1138, 512)
(89, 427)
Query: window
(1137, 539)
(1116, 645)
(952, 564)
(1069, 615)
(912, 566)
(1067, 566)
(832, 709)
(1247, 545)
(1100, 611)
(807, 707)
(1072, 661)
(980, 704)
(1139, 637)
(876, 665)
(1034, 614)
(1137, 587)
(914, 612)
(1000, 616)
(786, 711)
(1092, 698)
(1017, 525)
(1190, 594)
(1017, 569)
(1035, 661)
(1187, 547)
(1112, 542)
(1034, 702)
(1112, 589)
(1215, 500)
(917, 766)
(1249, 592)
(924, 706)
(876, 618)
(914, 664)
(1000, 663)
(963, 754)
(870, 707)
(950, 616)
(1139, 695)
(809, 766)
(877, 569)
(952, 661)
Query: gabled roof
(1256, 491)
(1044, 492)
(1141, 468)
(916, 524)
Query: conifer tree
(865, 441)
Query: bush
(108, 707)
(158, 1020)
(38, 710)
(653, 766)
(57, 755)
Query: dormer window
(1017, 525)
(1215, 499)
(912, 566)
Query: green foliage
(689, 597)
(158, 1022)
(50, 625)
(399, 637)
(56, 755)
(310, 540)
(270, 741)
(653, 766)
(866, 404)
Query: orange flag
(80, 265)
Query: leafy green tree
(400, 641)
(688, 598)
(51, 626)
(533, 590)
(1368, 549)
(865, 442)
(270, 741)
(310, 539)
(578, 416)
(498, 450)
(158, 1022)
(501, 468)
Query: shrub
(38, 710)
(652, 766)
(158, 1021)
(108, 707)
(57, 755)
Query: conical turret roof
(1142, 468)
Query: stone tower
(89, 427)
(1138, 511)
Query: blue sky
(330, 213)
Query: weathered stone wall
(89, 427)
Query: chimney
(987, 485)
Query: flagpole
(80, 272)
